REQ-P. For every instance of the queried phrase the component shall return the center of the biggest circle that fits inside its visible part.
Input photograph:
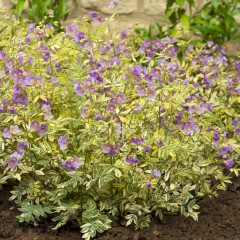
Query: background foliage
(215, 20)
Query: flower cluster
(40, 128)
(72, 164)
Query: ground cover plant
(93, 130)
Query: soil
(219, 219)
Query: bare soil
(219, 219)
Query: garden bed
(218, 220)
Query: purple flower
(131, 160)
(106, 148)
(137, 140)
(5, 102)
(118, 129)
(94, 16)
(155, 173)
(78, 89)
(216, 137)
(190, 128)
(158, 43)
(148, 184)
(88, 46)
(72, 164)
(119, 145)
(112, 4)
(29, 80)
(170, 52)
(83, 113)
(47, 112)
(151, 94)
(13, 160)
(229, 163)
(99, 117)
(120, 98)
(48, 116)
(78, 37)
(66, 163)
(235, 122)
(137, 70)
(7, 133)
(35, 124)
(237, 66)
(15, 74)
(42, 129)
(39, 81)
(75, 164)
(63, 142)
(14, 129)
(88, 81)
(71, 29)
(30, 60)
(141, 91)
(9, 63)
(23, 144)
(20, 151)
(156, 73)
(147, 149)
(224, 150)
(138, 108)
(11, 110)
(111, 107)
(160, 143)
(53, 80)
(237, 131)
(2, 55)
(207, 106)
(31, 27)
(124, 34)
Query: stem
(113, 46)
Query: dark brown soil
(219, 219)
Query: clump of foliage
(93, 129)
(215, 21)
(56, 10)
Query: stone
(124, 7)
(154, 7)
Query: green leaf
(204, 15)
(185, 22)
(180, 2)
(19, 7)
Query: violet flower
(147, 149)
(224, 150)
(137, 140)
(190, 128)
(14, 129)
(35, 124)
(7, 133)
(148, 184)
(120, 98)
(63, 142)
(131, 160)
(235, 122)
(155, 173)
(13, 160)
(237, 131)
(229, 163)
